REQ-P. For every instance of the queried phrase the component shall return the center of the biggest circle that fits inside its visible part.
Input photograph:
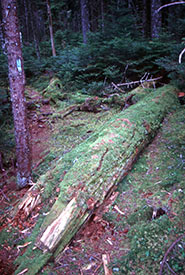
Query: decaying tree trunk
(97, 166)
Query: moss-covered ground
(155, 182)
(129, 232)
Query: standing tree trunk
(33, 27)
(84, 19)
(156, 18)
(17, 87)
(27, 33)
(144, 18)
(51, 28)
(102, 16)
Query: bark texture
(51, 28)
(93, 169)
(156, 18)
(84, 19)
(17, 86)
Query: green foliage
(5, 106)
(3, 69)
(176, 71)
(7, 142)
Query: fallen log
(92, 170)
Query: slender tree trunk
(33, 27)
(17, 87)
(26, 21)
(156, 18)
(129, 4)
(102, 16)
(144, 18)
(2, 42)
(84, 19)
(51, 28)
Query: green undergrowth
(7, 141)
(155, 182)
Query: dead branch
(116, 87)
(180, 55)
(141, 81)
(170, 4)
(171, 270)
(167, 252)
(74, 108)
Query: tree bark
(2, 42)
(144, 18)
(84, 19)
(156, 18)
(33, 27)
(51, 28)
(102, 16)
(17, 87)
(27, 33)
(96, 167)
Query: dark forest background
(99, 41)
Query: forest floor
(133, 228)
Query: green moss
(40, 83)
(78, 165)
(33, 258)
(54, 90)
(148, 241)
(144, 213)
(155, 180)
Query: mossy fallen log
(90, 171)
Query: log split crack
(101, 160)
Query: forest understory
(131, 232)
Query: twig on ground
(167, 252)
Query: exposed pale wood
(116, 87)
(54, 231)
(106, 261)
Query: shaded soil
(40, 133)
